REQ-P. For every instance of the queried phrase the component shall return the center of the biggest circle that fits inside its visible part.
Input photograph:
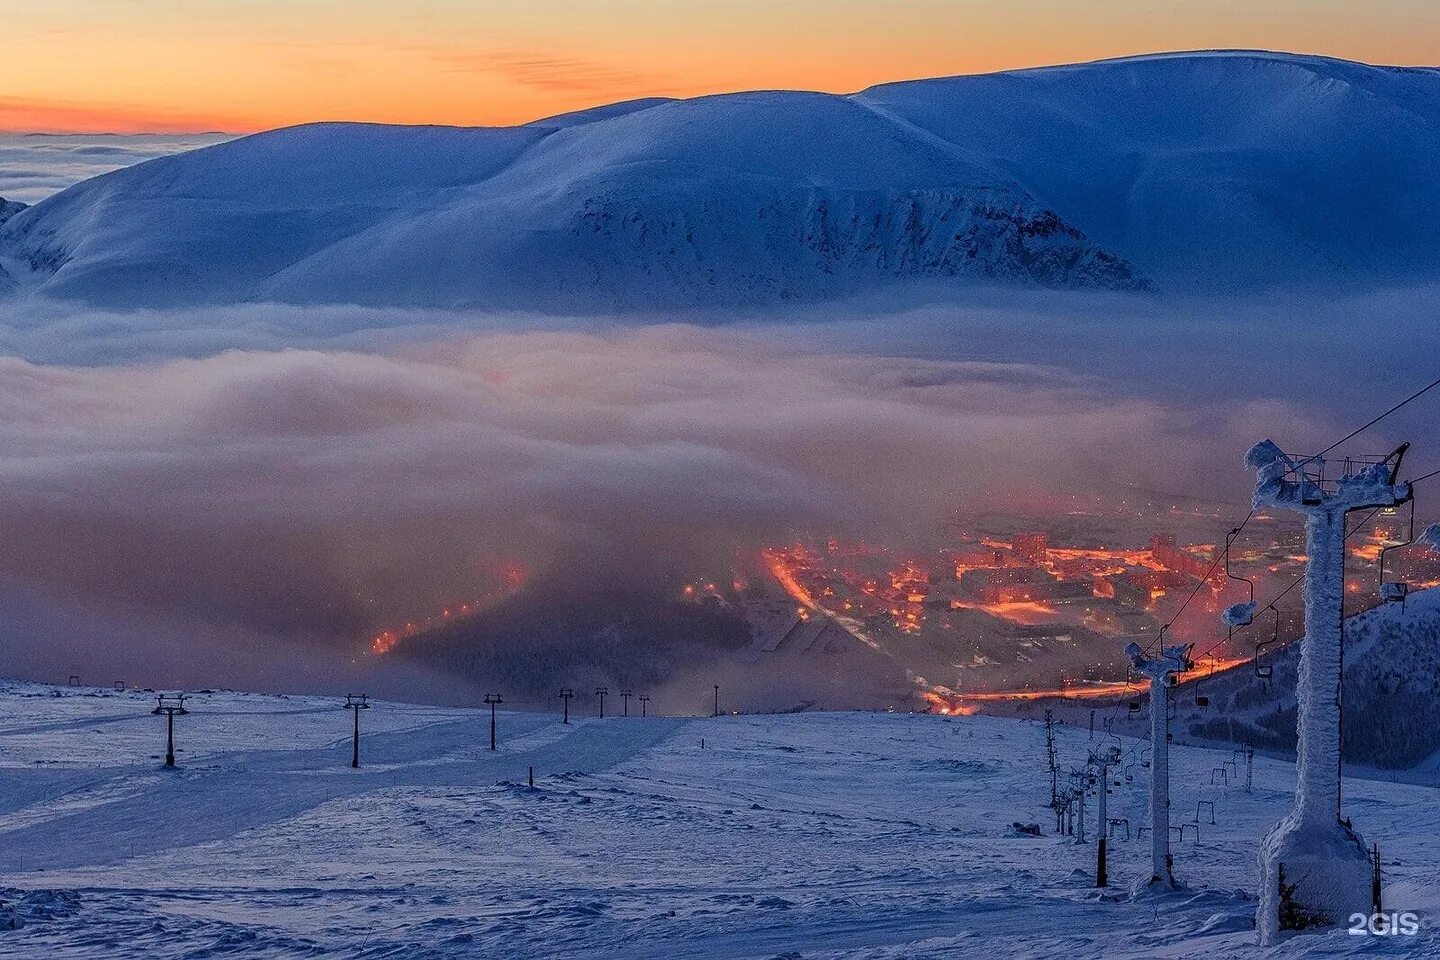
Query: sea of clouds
(263, 486)
(34, 165)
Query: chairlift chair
(1395, 591)
(1201, 700)
(1249, 614)
(1237, 615)
(1265, 670)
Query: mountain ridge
(1202, 170)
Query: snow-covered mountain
(1186, 171)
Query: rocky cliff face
(813, 243)
(8, 208)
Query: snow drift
(1188, 171)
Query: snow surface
(1430, 537)
(1209, 171)
(814, 835)
(1239, 614)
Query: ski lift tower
(1314, 869)
(1102, 762)
(355, 702)
(170, 706)
(1161, 671)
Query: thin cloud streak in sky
(35, 115)
(561, 73)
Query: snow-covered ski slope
(1208, 171)
(811, 835)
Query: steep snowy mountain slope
(1186, 171)
(1214, 169)
(1392, 713)
(8, 209)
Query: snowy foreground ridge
(816, 835)
(1180, 172)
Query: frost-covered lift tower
(1314, 869)
(1172, 660)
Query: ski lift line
(1236, 532)
(1393, 590)
(1214, 564)
(1427, 476)
(1361, 429)
(1298, 580)
(1301, 579)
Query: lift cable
(1301, 579)
(1361, 429)
(1159, 639)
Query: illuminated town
(1010, 609)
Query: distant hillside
(1207, 171)
(1392, 692)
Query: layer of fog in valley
(251, 495)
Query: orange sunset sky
(243, 65)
